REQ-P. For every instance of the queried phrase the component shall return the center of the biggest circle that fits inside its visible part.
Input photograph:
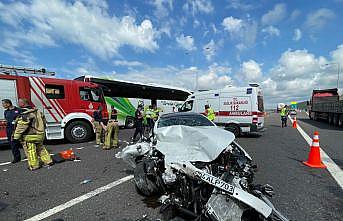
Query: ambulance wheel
(78, 132)
(233, 128)
(130, 122)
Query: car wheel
(144, 185)
(233, 128)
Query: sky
(288, 47)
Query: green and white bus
(125, 96)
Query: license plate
(208, 178)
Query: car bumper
(248, 128)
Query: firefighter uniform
(99, 130)
(210, 114)
(112, 132)
(30, 131)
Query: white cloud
(271, 31)
(232, 25)
(238, 5)
(214, 76)
(337, 55)
(198, 6)
(209, 50)
(295, 14)
(318, 19)
(242, 31)
(127, 63)
(251, 71)
(297, 34)
(87, 24)
(186, 42)
(162, 7)
(297, 73)
(275, 15)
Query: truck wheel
(233, 128)
(78, 132)
(130, 122)
(335, 119)
(330, 119)
(340, 120)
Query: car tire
(129, 122)
(143, 184)
(78, 132)
(235, 129)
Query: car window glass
(192, 121)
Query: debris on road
(86, 181)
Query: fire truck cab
(68, 105)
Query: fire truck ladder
(16, 70)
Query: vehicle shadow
(320, 124)
(250, 135)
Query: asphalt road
(301, 193)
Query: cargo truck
(326, 105)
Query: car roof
(180, 114)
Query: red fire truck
(67, 104)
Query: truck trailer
(327, 105)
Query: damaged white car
(200, 172)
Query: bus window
(187, 106)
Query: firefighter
(99, 126)
(112, 130)
(283, 115)
(149, 116)
(139, 123)
(209, 112)
(30, 131)
(11, 113)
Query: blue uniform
(10, 116)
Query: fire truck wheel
(233, 128)
(130, 122)
(78, 132)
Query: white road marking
(80, 148)
(79, 199)
(6, 163)
(335, 171)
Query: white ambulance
(238, 109)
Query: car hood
(181, 143)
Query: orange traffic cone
(314, 160)
(295, 122)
